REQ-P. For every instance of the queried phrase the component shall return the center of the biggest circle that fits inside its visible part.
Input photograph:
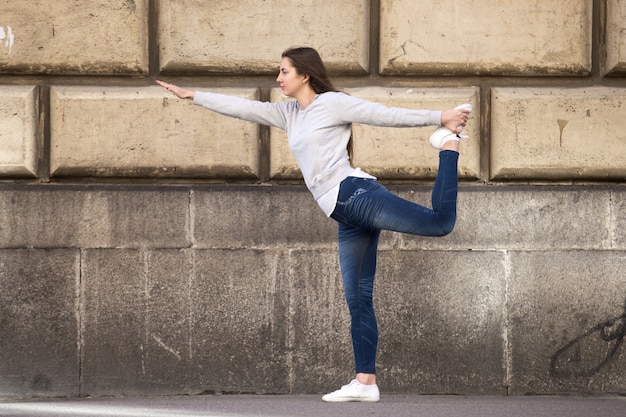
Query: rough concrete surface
(312, 406)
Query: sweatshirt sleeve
(350, 109)
(265, 113)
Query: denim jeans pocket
(358, 191)
(349, 189)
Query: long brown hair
(307, 61)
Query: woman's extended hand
(455, 119)
(179, 92)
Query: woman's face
(290, 81)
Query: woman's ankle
(366, 379)
(451, 145)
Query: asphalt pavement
(313, 406)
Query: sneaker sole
(346, 400)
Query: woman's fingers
(176, 90)
(167, 86)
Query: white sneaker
(442, 134)
(354, 391)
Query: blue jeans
(364, 208)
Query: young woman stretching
(319, 127)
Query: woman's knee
(445, 228)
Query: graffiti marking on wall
(588, 353)
(7, 37)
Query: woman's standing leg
(357, 258)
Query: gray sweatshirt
(318, 135)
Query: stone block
(137, 323)
(449, 37)
(322, 358)
(558, 133)
(615, 63)
(38, 323)
(147, 132)
(534, 218)
(393, 153)
(69, 37)
(566, 315)
(114, 316)
(259, 216)
(240, 325)
(20, 136)
(248, 37)
(93, 216)
(168, 356)
(440, 317)
(171, 322)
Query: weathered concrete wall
(148, 246)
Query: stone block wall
(151, 247)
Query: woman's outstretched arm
(265, 113)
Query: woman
(319, 127)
